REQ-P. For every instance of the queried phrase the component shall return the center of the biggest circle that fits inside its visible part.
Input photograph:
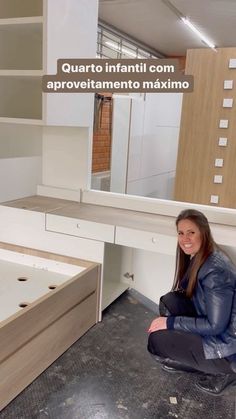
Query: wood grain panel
(34, 337)
(199, 132)
(24, 325)
(20, 369)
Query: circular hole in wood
(23, 305)
(22, 279)
(52, 287)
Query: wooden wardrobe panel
(202, 111)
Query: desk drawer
(146, 240)
(80, 228)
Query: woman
(199, 332)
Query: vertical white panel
(136, 139)
(155, 160)
(120, 143)
(153, 273)
(70, 32)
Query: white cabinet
(21, 69)
(80, 228)
(21, 64)
(146, 240)
(34, 34)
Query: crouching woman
(196, 330)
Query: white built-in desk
(98, 233)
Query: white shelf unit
(21, 63)
(21, 70)
(13, 89)
(20, 8)
(21, 121)
(21, 43)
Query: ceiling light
(187, 22)
(197, 32)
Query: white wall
(65, 157)
(20, 160)
(19, 177)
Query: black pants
(184, 347)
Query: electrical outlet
(219, 162)
(227, 103)
(228, 84)
(223, 141)
(214, 199)
(218, 179)
(232, 63)
(224, 123)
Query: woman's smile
(189, 237)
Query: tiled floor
(108, 374)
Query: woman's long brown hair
(208, 245)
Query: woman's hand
(157, 324)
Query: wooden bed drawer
(35, 336)
(80, 228)
(146, 240)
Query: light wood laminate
(34, 337)
(199, 134)
(120, 217)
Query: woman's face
(189, 237)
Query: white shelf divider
(21, 21)
(21, 73)
(21, 121)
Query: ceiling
(156, 25)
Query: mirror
(136, 153)
(136, 143)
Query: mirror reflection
(139, 138)
(135, 139)
(135, 143)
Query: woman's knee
(153, 342)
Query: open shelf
(21, 46)
(21, 97)
(20, 8)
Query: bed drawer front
(80, 228)
(14, 333)
(24, 365)
(146, 240)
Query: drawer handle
(78, 225)
(154, 240)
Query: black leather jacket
(215, 302)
